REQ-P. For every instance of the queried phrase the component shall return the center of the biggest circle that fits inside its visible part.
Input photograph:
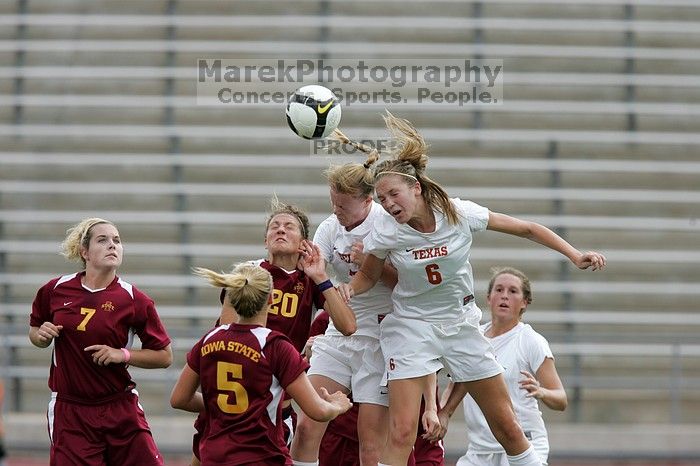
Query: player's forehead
(104, 229)
(284, 219)
(508, 280)
(388, 183)
(345, 198)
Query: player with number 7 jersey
(94, 416)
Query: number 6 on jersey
(434, 276)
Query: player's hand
(307, 348)
(592, 259)
(338, 399)
(444, 421)
(311, 261)
(431, 425)
(346, 291)
(356, 255)
(530, 384)
(104, 355)
(48, 331)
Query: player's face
(506, 299)
(105, 250)
(350, 210)
(397, 197)
(283, 234)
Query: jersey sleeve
(536, 349)
(150, 329)
(475, 215)
(323, 238)
(382, 238)
(285, 361)
(320, 324)
(41, 311)
(194, 357)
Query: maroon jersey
(109, 316)
(320, 324)
(243, 371)
(293, 299)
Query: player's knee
(403, 435)
(308, 431)
(509, 434)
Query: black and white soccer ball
(313, 112)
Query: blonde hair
(78, 236)
(277, 207)
(354, 179)
(525, 286)
(248, 287)
(411, 161)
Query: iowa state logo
(299, 288)
(108, 306)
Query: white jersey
(335, 243)
(521, 348)
(435, 276)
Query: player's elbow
(164, 358)
(560, 403)
(178, 400)
(349, 328)
(563, 404)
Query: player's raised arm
(312, 263)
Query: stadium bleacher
(598, 138)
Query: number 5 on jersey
(225, 371)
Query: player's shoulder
(466, 207)
(60, 281)
(329, 224)
(530, 335)
(132, 291)
(327, 230)
(384, 222)
(273, 339)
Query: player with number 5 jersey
(92, 317)
(244, 369)
(300, 285)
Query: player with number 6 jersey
(428, 236)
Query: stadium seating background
(597, 137)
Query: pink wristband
(127, 355)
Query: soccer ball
(313, 112)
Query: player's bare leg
(492, 397)
(372, 430)
(308, 434)
(404, 411)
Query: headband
(389, 172)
